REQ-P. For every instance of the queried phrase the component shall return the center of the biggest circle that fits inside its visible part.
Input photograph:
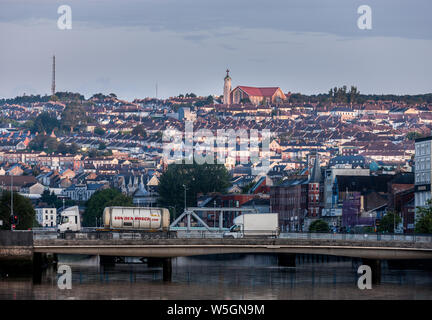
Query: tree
(99, 131)
(22, 208)
(412, 135)
(389, 221)
(248, 187)
(45, 122)
(51, 199)
(101, 199)
(64, 148)
(424, 220)
(74, 116)
(44, 143)
(139, 130)
(197, 178)
(353, 94)
(319, 226)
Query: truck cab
(234, 232)
(69, 220)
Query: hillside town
(345, 161)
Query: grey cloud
(397, 18)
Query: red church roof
(260, 92)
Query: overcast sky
(127, 46)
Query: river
(217, 277)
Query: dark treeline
(25, 99)
(335, 95)
(59, 96)
(342, 95)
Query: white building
(422, 171)
(46, 217)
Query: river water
(231, 277)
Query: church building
(256, 95)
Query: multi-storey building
(422, 171)
(46, 217)
(289, 200)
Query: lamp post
(214, 214)
(174, 212)
(12, 214)
(184, 186)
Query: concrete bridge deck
(168, 248)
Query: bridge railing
(357, 236)
(205, 234)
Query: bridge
(169, 248)
(370, 248)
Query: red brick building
(289, 200)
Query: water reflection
(231, 277)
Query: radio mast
(53, 77)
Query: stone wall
(16, 245)
(16, 238)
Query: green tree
(197, 178)
(99, 131)
(389, 221)
(139, 130)
(44, 143)
(101, 199)
(319, 226)
(412, 135)
(45, 122)
(248, 187)
(64, 148)
(424, 219)
(22, 208)
(102, 146)
(74, 117)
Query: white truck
(254, 225)
(69, 220)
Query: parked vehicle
(254, 225)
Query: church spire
(227, 89)
(227, 75)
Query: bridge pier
(375, 266)
(106, 260)
(37, 267)
(286, 259)
(154, 262)
(167, 269)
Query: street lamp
(214, 214)
(12, 214)
(184, 186)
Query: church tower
(227, 89)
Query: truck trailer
(144, 219)
(254, 225)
